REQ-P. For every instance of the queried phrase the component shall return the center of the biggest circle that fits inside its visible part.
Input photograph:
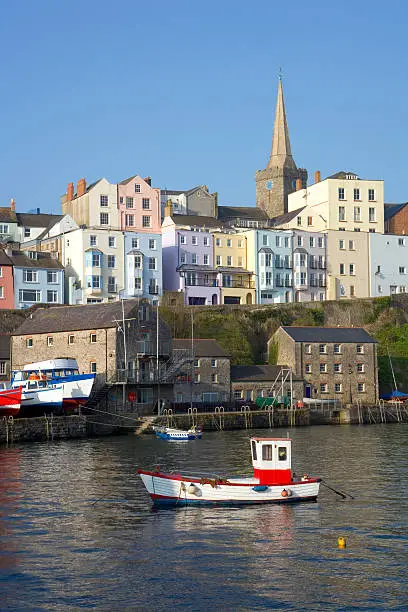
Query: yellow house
(230, 258)
(348, 265)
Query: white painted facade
(340, 204)
(94, 265)
(388, 263)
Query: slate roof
(203, 347)
(241, 212)
(173, 191)
(4, 259)
(7, 215)
(342, 175)
(20, 259)
(196, 221)
(126, 181)
(286, 217)
(390, 210)
(329, 334)
(255, 373)
(40, 220)
(73, 318)
(226, 269)
(196, 268)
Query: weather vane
(280, 73)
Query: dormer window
(33, 254)
(351, 177)
(27, 232)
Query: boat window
(282, 453)
(32, 384)
(49, 375)
(68, 372)
(42, 383)
(57, 372)
(267, 452)
(254, 450)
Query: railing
(235, 284)
(201, 282)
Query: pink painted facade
(6, 286)
(139, 205)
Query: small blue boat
(168, 433)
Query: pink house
(6, 281)
(139, 205)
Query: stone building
(115, 340)
(396, 218)
(204, 374)
(281, 176)
(249, 382)
(335, 362)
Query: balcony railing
(201, 281)
(239, 284)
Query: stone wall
(42, 429)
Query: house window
(360, 368)
(152, 263)
(1, 272)
(371, 215)
(52, 277)
(96, 260)
(401, 241)
(357, 214)
(71, 339)
(4, 229)
(322, 349)
(229, 260)
(50, 341)
(213, 363)
(196, 378)
(402, 270)
(121, 200)
(29, 342)
(229, 242)
(30, 276)
(92, 338)
(341, 268)
(361, 387)
(2, 368)
(182, 258)
(311, 241)
(356, 193)
(337, 368)
(137, 261)
(194, 240)
(300, 241)
(299, 220)
(352, 291)
(137, 188)
(214, 378)
(308, 348)
(360, 349)
(371, 195)
(112, 241)
(52, 297)
(240, 244)
(104, 219)
(111, 284)
(1, 291)
(265, 240)
(320, 243)
(277, 241)
(196, 363)
(206, 260)
(146, 221)
(323, 367)
(237, 394)
(129, 220)
(104, 200)
(323, 388)
(29, 295)
(194, 258)
(146, 203)
(240, 262)
(206, 241)
(152, 244)
(182, 240)
(310, 220)
(342, 244)
(341, 193)
(308, 368)
(27, 232)
(352, 269)
(92, 367)
(218, 242)
(135, 243)
(337, 387)
(218, 260)
(92, 240)
(111, 261)
(138, 283)
(351, 245)
(129, 202)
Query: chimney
(13, 205)
(70, 192)
(81, 187)
(298, 184)
(205, 188)
(317, 176)
(168, 209)
(148, 180)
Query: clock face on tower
(269, 185)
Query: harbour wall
(40, 429)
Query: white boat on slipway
(272, 481)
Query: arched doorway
(249, 298)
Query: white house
(388, 264)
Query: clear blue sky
(185, 92)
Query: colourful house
(139, 205)
(6, 281)
(143, 265)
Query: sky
(185, 92)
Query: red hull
(10, 401)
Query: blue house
(38, 278)
(143, 265)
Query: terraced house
(233, 276)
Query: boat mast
(392, 370)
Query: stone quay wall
(41, 429)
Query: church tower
(281, 176)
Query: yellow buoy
(341, 542)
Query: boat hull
(171, 490)
(38, 401)
(10, 402)
(177, 435)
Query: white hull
(181, 490)
(38, 398)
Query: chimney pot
(317, 176)
(12, 205)
(298, 184)
(81, 187)
(148, 180)
(70, 192)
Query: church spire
(281, 152)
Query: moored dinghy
(272, 481)
(169, 433)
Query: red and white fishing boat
(10, 401)
(272, 481)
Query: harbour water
(77, 529)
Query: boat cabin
(52, 368)
(272, 460)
